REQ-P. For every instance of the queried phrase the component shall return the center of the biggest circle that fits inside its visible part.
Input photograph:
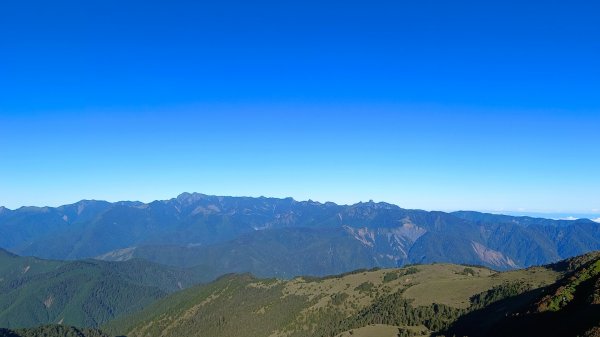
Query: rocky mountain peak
(189, 198)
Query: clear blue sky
(486, 105)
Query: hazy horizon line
(549, 214)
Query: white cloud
(569, 218)
(597, 220)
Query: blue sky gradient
(431, 104)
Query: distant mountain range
(286, 238)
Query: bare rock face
(492, 257)
(392, 243)
(48, 301)
(124, 254)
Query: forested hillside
(52, 331)
(81, 293)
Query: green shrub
(364, 287)
(389, 277)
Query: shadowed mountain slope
(569, 307)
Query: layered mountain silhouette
(285, 238)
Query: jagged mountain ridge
(391, 235)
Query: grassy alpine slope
(412, 300)
(569, 307)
